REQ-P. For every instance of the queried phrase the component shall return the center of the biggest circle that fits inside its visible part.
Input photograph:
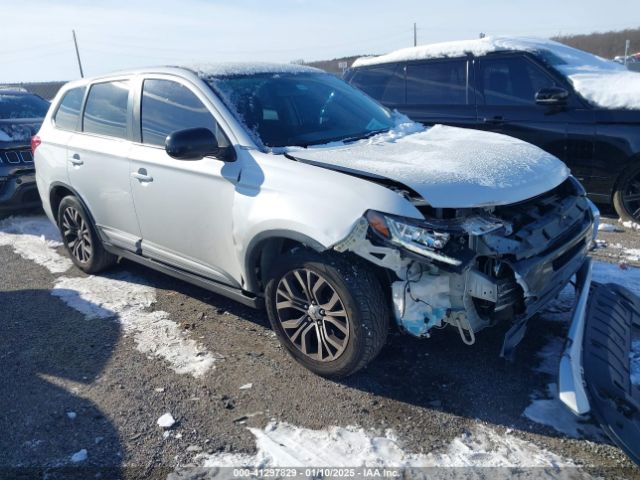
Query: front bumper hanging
(595, 368)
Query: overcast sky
(36, 44)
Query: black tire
(362, 299)
(628, 185)
(93, 258)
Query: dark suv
(21, 114)
(581, 108)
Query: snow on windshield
(602, 82)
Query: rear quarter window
(68, 113)
(106, 110)
(384, 83)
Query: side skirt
(233, 293)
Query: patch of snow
(450, 167)
(608, 227)
(17, 132)
(79, 456)
(246, 386)
(35, 238)
(126, 297)
(602, 82)
(284, 445)
(547, 409)
(630, 254)
(629, 277)
(630, 225)
(224, 69)
(635, 362)
(72, 415)
(166, 421)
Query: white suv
(282, 186)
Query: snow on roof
(602, 82)
(245, 68)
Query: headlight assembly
(412, 236)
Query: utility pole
(75, 42)
(626, 50)
(415, 35)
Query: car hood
(449, 167)
(16, 132)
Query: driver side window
(512, 81)
(168, 106)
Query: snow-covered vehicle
(21, 114)
(581, 108)
(282, 186)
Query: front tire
(329, 311)
(80, 238)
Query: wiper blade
(353, 138)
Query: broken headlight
(411, 235)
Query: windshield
(301, 109)
(21, 105)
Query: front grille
(16, 157)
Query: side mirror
(195, 144)
(552, 96)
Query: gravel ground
(72, 383)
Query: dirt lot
(90, 364)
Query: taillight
(35, 143)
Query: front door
(508, 83)
(184, 208)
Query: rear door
(440, 91)
(98, 164)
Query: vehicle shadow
(47, 352)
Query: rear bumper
(18, 191)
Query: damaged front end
(471, 268)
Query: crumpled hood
(16, 132)
(449, 167)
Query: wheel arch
(59, 190)
(265, 248)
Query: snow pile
(34, 238)
(166, 421)
(79, 456)
(630, 225)
(210, 70)
(607, 227)
(284, 445)
(450, 167)
(125, 296)
(602, 82)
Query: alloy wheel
(312, 315)
(631, 196)
(77, 235)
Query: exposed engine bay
(472, 268)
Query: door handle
(142, 176)
(75, 159)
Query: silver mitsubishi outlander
(282, 186)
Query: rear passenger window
(437, 83)
(384, 83)
(106, 109)
(68, 112)
(512, 81)
(167, 107)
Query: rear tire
(626, 196)
(328, 310)
(80, 237)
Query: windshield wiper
(352, 138)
